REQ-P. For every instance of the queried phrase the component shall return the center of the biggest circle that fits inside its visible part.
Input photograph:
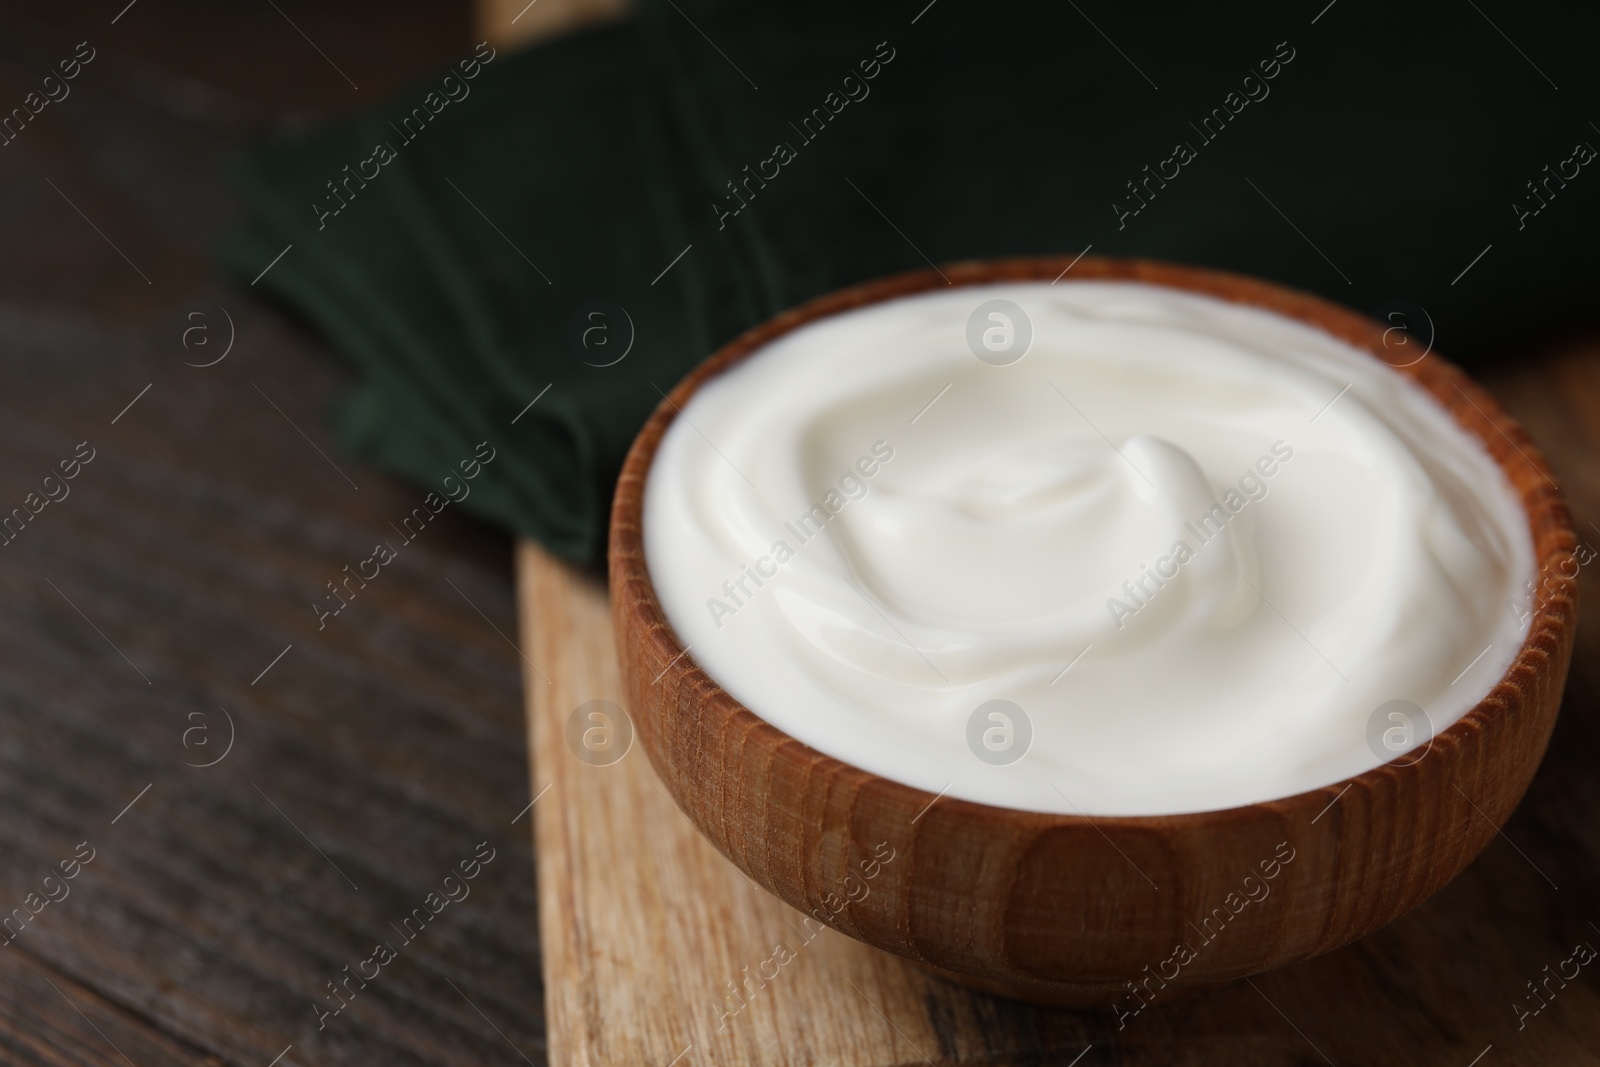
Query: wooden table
(167, 597)
(162, 597)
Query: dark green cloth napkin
(529, 219)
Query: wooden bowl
(1064, 909)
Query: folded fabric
(530, 249)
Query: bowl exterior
(1073, 910)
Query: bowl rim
(1519, 459)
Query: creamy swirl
(1196, 546)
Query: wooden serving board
(647, 931)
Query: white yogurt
(1197, 578)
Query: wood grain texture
(645, 928)
(1061, 908)
(207, 926)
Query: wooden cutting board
(655, 946)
